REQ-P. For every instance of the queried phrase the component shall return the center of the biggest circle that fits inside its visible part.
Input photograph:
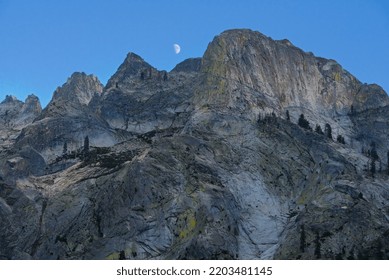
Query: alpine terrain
(257, 150)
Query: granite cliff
(211, 160)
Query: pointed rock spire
(10, 99)
(133, 68)
(32, 105)
(80, 87)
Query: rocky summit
(257, 150)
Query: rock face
(14, 116)
(202, 162)
(188, 65)
(241, 61)
(68, 119)
(139, 99)
(74, 95)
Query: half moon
(177, 48)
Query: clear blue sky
(43, 42)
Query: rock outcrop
(16, 114)
(74, 96)
(202, 162)
(277, 75)
(68, 118)
(139, 99)
(188, 65)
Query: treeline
(304, 123)
(374, 164)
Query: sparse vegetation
(373, 151)
(372, 167)
(387, 156)
(340, 139)
(328, 131)
(317, 246)
(319, 130)
(302, 239)
(352, 111)
(86, 146)
(188, 173)
(103, 157)
(65, 148)
(304, 123)
(122, 255)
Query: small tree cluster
(83, 153)
(268, 118)
(268, 122)
(340, 139)
(328, 131)
(373, 158)
(303, 122)
(319, 130)
(373, 151)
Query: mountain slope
(202, 162)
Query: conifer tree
(317, 246)
(328, 131)
(122, 255)
(302, 239)
(319, 130)
(86, 145)
(387, 155)
(352, 110)
(303, 122)
(65, 148)
(340, 139)
(373, 151)
(372, 168)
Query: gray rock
(201, 162)
(73, 96)
(68, 119)
(188, 65)
(16, 114)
